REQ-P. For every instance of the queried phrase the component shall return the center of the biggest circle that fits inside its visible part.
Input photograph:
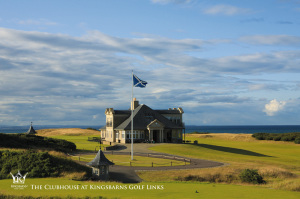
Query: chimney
(134, 104)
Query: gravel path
(126, 174)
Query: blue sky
(224, 62)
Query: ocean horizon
(236, 129)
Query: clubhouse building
(148, 125)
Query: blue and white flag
(137, 82)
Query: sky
(225, 62)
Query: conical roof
(31, 130)
(100, 160)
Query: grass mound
(67, 131)
(25, 141)
(38, 165)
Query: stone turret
(31, 130)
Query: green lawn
(285, 155)
(278, 162)
(81, 142)
(238, 153)
(170, 190)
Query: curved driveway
(126, 174)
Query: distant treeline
(196, 132)
(25, 141)
(290, 137)
(37, 164)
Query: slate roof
(100, 160)
(31, 130)
(143, 116)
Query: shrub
(37, 164)
(297, 140)
(277, 136)
(251, 176)
(196, 132)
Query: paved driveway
(126, 174)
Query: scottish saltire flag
(137, 82)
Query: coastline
(235, 129)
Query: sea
(246, 129)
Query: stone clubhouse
(158, 126)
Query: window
(136, 134)
(123, 134)
(102, 170)
(109, 122)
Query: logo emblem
(18, 178)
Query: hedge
(289, 137)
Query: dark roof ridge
(100, 160)
(147, 115)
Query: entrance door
(169, 135)
(156, 136)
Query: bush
(297, 140)
(38, 165)
(251, 176)
(289, 137)
(196, 132)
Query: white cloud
(225, 10)
(286, 40)
(273, 107)
(70, 80)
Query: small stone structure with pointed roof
(31, 130)
(100, 165)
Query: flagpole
(132, 116)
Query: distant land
(247, 129)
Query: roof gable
(143, 116)
(156, 124)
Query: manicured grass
(279, 162)
(269, 157)
(125, 160)
(170, 190)
(75, 135)
(252, 151)
(81, 142)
